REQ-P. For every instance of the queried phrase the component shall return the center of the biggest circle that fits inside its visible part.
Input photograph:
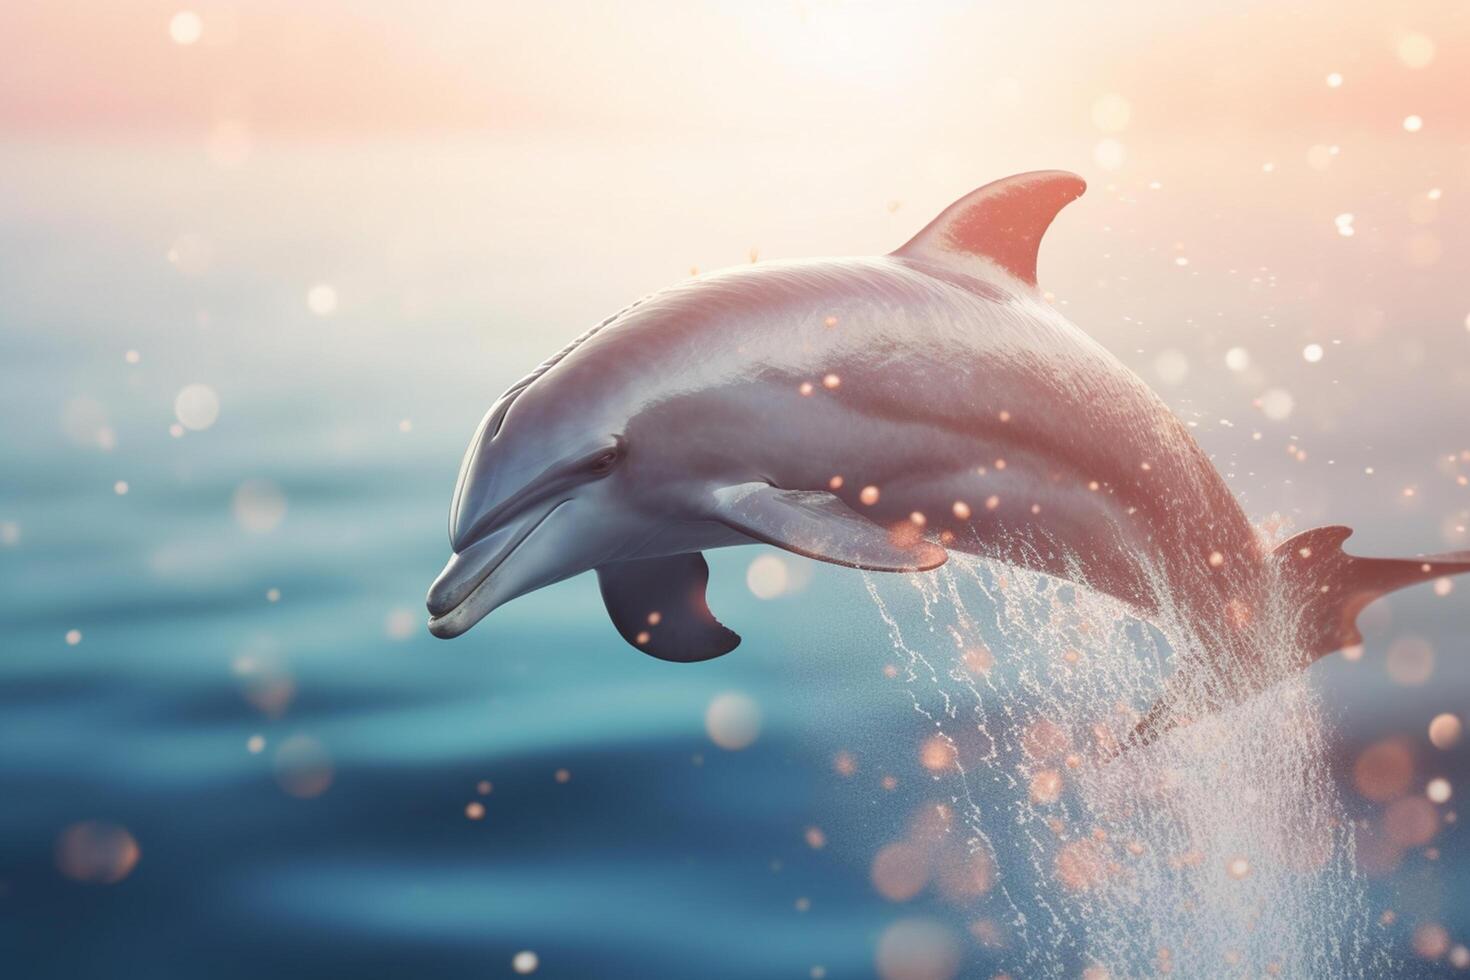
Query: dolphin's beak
(475, 582)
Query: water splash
(1220, 849)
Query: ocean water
(251, 694)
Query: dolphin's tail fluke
(1330, 587)
(1324, 590)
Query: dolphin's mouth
(457, 598)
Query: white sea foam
(1222, 848)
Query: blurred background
(264, 265)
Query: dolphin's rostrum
(875, 413)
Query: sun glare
(846, 38)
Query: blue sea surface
(205, 623)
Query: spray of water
(1221, 849)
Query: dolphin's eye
(603, 462)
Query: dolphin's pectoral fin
(658, 605)
(818, 525)
(1002, 221)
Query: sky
(334, 69)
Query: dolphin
(879, 413)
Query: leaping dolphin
(876, 413)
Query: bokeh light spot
(1410, 661)
(401, 623)
(1411, 821)
(937, 754)
(1383, 770)
(196, 406)
(1172, 366)
(917, 949)
(1046, 786)
(321, 299)
(1080, 865)
(1445, 730)
(96, 852)
(258, 505)
(1278, 404)
(733, 721)
(900, 871)
(767, 577)
(1431, 941)
(304, 767)
(1415, 50)
(185, 28)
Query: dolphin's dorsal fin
(1002, 222)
